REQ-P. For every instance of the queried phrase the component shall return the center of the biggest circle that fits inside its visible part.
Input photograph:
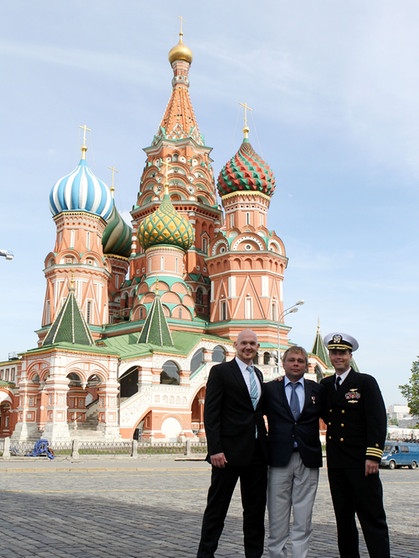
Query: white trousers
(293, 488)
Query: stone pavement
(151, 507)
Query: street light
(6, 254)
(291, 310)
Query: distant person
(237, 447)
(293, 409)
(356, 430)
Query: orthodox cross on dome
(246, 127)
(112, 187)
(181, 25)
(84, 146)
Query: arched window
(248, 308)
(93, 381)
(75, 380)
(266, 357)
(274, 311)
(199, 296)
(170, 374)
(197, 360)
(218, 354)
(89, 312)
(128, 382)
(223, 310)
(205, 244)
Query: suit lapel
(238, 376)
(283, 400)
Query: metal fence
(129, 448)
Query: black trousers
(253, 480)
(354, 493)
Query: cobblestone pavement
(152, 507)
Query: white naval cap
(341, 341)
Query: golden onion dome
(166, 226)
(180, 52)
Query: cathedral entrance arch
(128, 382)
(83, 401)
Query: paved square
(151, 508)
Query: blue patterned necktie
(294, 402)
(254, 392)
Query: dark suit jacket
(283, 430)
(230, 420)
(356, 421)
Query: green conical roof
(155, 329)
(70, 325)
(319, 349)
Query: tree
(410, 391)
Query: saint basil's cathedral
(134, 317)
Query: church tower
(246, 260)
(116, 242)
(179, 156)
(80, 203)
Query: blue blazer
(284, 430)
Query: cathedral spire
(179, 119)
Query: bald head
(246, 346)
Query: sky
(333, 88)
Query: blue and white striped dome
(81, 190)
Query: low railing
(129, 448)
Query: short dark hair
(295, 349)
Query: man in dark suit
(356, 430)
(237, 447)
(293, 408)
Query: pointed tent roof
(179, 121)
(155, 329)
(70, 325)
(319, 349)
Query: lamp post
(6, 254)
(291, 310)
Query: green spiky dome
(246, 171)
(166, 226)
(117, 235)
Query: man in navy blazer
(237, 447)
(293, 408)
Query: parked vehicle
(400, 454)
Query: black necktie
(337, 383)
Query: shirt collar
(343, 376)
(242, 365)
(288, 381)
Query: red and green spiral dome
(246, 171)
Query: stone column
(56, 426)
(108, 410)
